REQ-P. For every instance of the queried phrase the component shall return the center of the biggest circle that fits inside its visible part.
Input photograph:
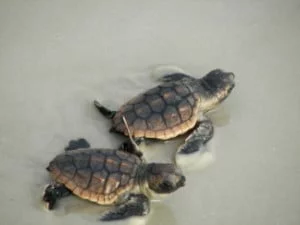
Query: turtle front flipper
(53, 192)
(104, 111)
(198, 138)
(136, 205)
(77, 144)
(174, 77)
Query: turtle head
(164, 178)
(216, 87)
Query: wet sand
(56, 57)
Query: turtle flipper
(128, 146)
(137, 205)
(77, 144)
(131, 145)
(53, 192)
(104, 111)
(198, 138)
(174, 77)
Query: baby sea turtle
(110, 177)
(173, 108)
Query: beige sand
(56, 57)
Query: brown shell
(163, 112)
(97, 175)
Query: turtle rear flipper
(104, 111)
(137, 205)
(131, 145)
(77, 144)
(198, 138)
(128, 146)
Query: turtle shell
(97, 175)
(163, 112)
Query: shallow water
(56, 57)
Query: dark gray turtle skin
(173, 108)
(110, 177)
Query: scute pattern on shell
(163, 112)
(100, 176)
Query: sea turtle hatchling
(174, 108)
(110, 177)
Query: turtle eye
(57, 193)
(166, 185)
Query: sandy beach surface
(56, 57)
